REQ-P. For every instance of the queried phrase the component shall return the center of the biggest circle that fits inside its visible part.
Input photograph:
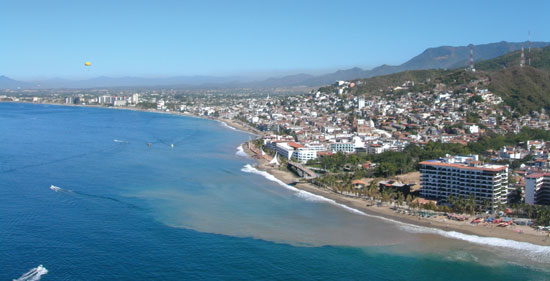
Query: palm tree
(400, 198)
(409, 199)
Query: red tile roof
(295, 145)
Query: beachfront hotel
(537, 189)
(463, 176)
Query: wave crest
(240, 151)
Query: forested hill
(523, 88)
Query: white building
(135, 98)
(315, 147)
(119, 103)
(160, 105)
(361, 103)
(506, 153)
(345, 147)
(376, 148)
(447, 177)
(293, 150)
(537, 189)
(474, 129)
(105, 100)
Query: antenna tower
(522, 62)
(472, 58)
(529, 47)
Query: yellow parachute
(87, 63)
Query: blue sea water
(128, 211)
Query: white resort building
(537, 189)
(464, 176)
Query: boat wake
(33, 274)
(240, 151)
(59, 189)
(532, 251)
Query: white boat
(55, 188)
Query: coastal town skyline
(275, 140)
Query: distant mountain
(8, 83)
(104, 81)
(444, 57)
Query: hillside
(540, 59)
(524, 89)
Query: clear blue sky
(44, 39)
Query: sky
(47, 39)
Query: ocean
(121, 209)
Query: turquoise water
(197, 211)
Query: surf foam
(233, 128)
(240, 151)
(34, 274)
(532, 251)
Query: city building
(464, 176)
(537, 189)
(105, 100)
(135, 98)
(119, 103)
(345, 147)
(361, 103)
(295, 150)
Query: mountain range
(444, 57)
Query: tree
(387, 169)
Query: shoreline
(231, 124)
(528, 235)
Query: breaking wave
(233, 128)
(240, 151)
(532, 251)
(227, 126)
(33, 274)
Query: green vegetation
(524, 89)
(540, 59)
(147, 105)
(391, 163)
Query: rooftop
(484, 167)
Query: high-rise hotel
(464, 176)
(537, 189)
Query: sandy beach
(527, 233)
